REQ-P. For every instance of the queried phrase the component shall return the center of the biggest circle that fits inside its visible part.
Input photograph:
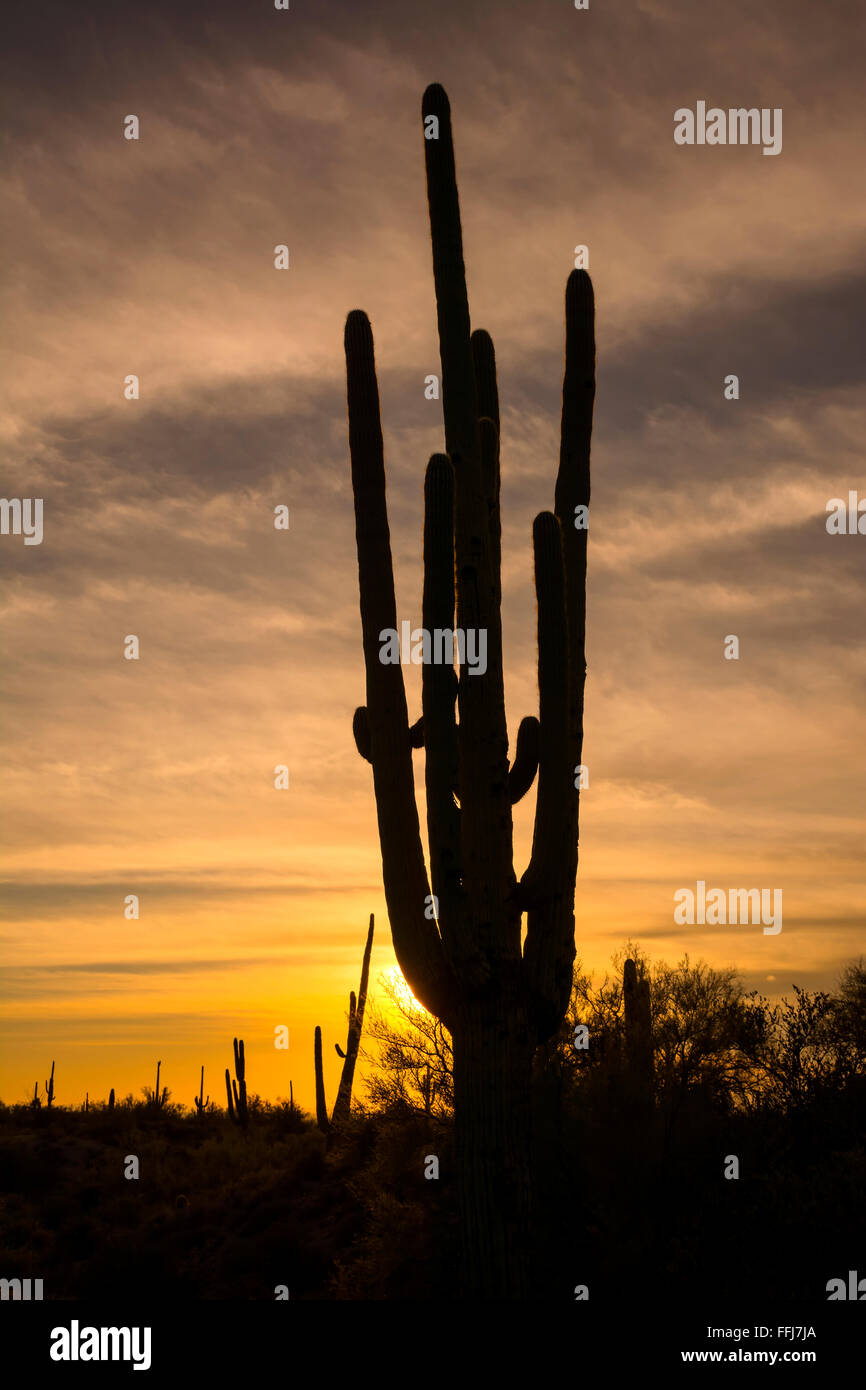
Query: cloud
(155, 257)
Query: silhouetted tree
(413, 1067)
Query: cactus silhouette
(159, 1097)
(236, 1090)
(343, 1103)
(86, 1102)
(321, 1107)
(200, 1103)
(638, 1035)
(36, 1103)
(111, 1099)
(49, 1087)
(459, 946)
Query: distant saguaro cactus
(36, 1103)
(111, 1099)
(343, 1103)
(321, 1107)
(49, 1088)
(199, 1101)
(159, 1097)
(236, 1090)
(638, 1033)
(459, 946)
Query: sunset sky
(156, 257)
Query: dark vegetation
(632, 1135)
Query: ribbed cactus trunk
(492, 1110)
(464, 960)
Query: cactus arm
(361, 733)
(487, 394)
(572, 490)
(438, 696)
(525, 766)
(547, 887)
(550, 879)
(417, 943)
(485, 807)
(452, 302)
(489, 441)
(522, 772)
(230, 1103)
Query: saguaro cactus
(638, 1033)
(343, 1103)
(111, 1099)
(321, 1107)
(464, 959)
(236, 1090)
(36, 1103)
(159, 1097)
(49, 1087)
(199, 1101)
